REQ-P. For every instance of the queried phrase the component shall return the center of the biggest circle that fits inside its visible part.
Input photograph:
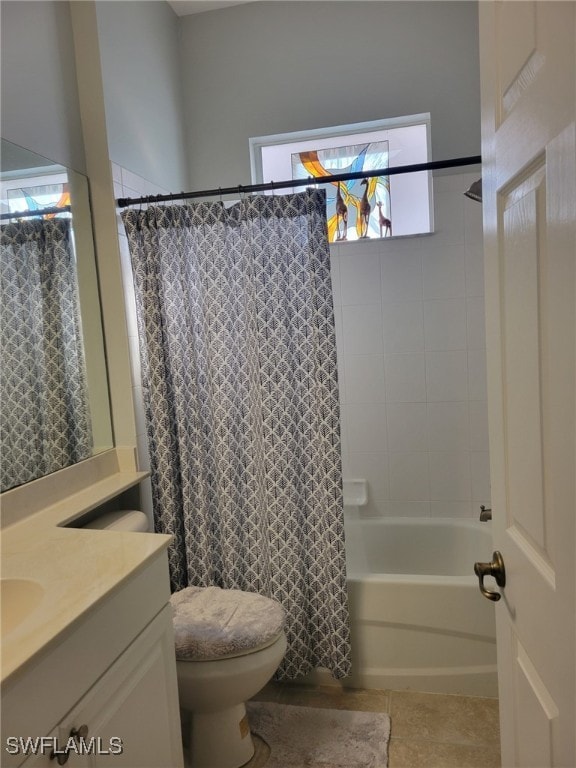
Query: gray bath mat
(309, 737)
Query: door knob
(495, 569)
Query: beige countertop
(73, 570)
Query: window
(34, 192)
(379, 206)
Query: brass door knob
(495, 569)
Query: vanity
(87, 642)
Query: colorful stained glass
(359, 208)
(39, 196)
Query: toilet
(228, 645)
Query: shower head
(474, 191)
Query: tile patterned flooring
(429, 730)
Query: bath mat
(309, 737)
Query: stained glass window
(351, 205)
(36, 194)
(374, 207)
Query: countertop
(76, 569)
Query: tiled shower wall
(412, 363)
(412, 373)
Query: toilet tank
(120, 520)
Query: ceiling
(187, 7)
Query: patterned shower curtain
(45, 423)
(238, 361)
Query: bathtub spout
(485, 513)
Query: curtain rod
(39, 212)
(125, 202)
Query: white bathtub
(418, 620)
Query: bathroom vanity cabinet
(124, 718)
(94, 656)
(115, 690)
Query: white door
(529, 177)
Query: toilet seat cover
(212, 623)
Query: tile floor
(429, 730)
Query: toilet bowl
(228, 645)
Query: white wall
(40, 109)
(139, 44)
(412, 371)
(272, 67)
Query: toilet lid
(212, 623)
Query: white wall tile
(451, 509)
(477, 374)
(335, 278)
(446, 376)
(143, 453)
(449, 217)
(359, 276)
(146, 504)
(344, 430)
(475, 322)
(472, 222)
(404, 508)
(139, 410)
(374, 468)
(366, 428)
(478, 425)
(364, 378)
(445, 324)
(116, 172)
(409, 477)
(480, 472)
(341, 374)
(474, 269)
(362, 329)
(401, 275)
(406, 427)
(444, 272)
(405, 377)
(435, 436)
(448, 427)
(450, 476)
(403, 327)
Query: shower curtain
(238, 362)
(46, 423)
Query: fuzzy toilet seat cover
(212, 623)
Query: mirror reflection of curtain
(45, 415)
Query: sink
(19, 598)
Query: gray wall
(39, 94)
(265, 68)
(142, 90)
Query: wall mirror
(53, 382)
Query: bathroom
(409, 313)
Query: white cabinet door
(130, 717)
(529, 180)
(132, 712)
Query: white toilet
(228, 645)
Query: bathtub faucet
(485, 513)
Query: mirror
(54, 388)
